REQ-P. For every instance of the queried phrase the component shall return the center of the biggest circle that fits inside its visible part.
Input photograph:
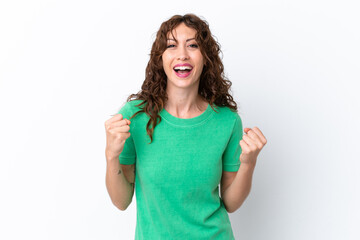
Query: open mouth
(183, 71)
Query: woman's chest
(179, 156)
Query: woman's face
(182, 60)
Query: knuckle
(118, 136)
(111, 132)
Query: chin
(182, 83)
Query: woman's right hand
(117, 131)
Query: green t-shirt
(178, 175)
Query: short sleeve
(128, 155)
(231, 155)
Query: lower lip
(182, 75)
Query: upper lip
(182, 64)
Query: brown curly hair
(213, 87)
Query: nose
(182, 54)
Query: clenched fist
(117, 131)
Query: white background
(65, 66)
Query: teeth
(183, 68)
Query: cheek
(165, 60)
(166, 65)
(200, 63)
(199, 58)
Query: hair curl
(214, 87)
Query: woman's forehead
(182, 32)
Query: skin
(235, 186)
(251, 144)
(184, 100)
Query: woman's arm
(251, 144)
(239, 189)
(120, 189)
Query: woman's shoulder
(128, 108)
(226, 112)
(228, 117)
(133, 103)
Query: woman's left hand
(251, 144)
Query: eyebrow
(186, 39)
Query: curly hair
(214, 87)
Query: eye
(170, 45)
(194, 45)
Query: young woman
(179, 138)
